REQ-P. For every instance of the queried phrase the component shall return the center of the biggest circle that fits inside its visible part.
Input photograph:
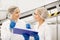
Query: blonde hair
(11, 9)
(43, 12)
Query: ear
(9, 15)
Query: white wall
(3, 15)
(24, 5)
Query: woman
(44, 31)
(14, 18)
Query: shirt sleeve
(5, 33)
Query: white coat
(5, 30)
(44, 31)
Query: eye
(17, 12)
(40, 14)
(35, 14)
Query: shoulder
(6, 21)
(47, 27)
(5, 24)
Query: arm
(5, 31)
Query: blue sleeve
(28, 26)
(12, 24)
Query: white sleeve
(48, 34)
(5, 33)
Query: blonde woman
(44, 31)
(12, 22)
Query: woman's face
(16, 13)
(37, 16)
